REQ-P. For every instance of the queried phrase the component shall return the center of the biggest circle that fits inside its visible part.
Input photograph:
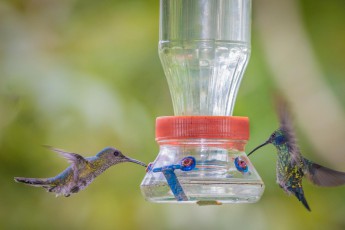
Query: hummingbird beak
(135, 161)
(265, 143)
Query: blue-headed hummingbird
(292, 167)
(80, 173)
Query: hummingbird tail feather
(33, 181)
(300, 196)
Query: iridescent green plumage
(291, 166)
(81, 172)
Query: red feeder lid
(208, 127)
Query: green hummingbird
(292, 166)
(80, 173)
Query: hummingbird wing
(286, 126)
(323, 176)
(77, 161)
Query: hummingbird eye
(116, 153)
(272, 137)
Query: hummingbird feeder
(204, 47)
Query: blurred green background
(81, 75)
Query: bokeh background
(81, 75)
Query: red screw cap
(209, 127)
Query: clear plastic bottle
(222, 174)
(204, 47)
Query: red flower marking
(242, 164)
(187, 162)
